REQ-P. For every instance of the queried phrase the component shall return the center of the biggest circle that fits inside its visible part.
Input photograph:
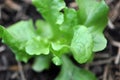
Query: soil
(106, 64)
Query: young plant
(63, 31)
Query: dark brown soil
(106, 64)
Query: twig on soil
(12, 5)
(3, 68)
(1, 6)
(109, 1)
(2, 48)
(73, 5)
(11, 68)
(115, 12)
(117, 60)
(117, 73)
(21, 71)
(27, 1)
(117, 44)
(0, 12)
(101, 62)
(5, 61)
(110, 24)
(110, 77)
(14, 75)
(104, 55)
(5, 64)
(105, 74)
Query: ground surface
(106, 64)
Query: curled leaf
(82, 44)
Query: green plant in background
(63, 31)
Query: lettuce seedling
(63, 31)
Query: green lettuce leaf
(99, 39)
(57, 60)
(37, 46)
(50, 8)
(93, 14)
(22, 31)
(41, 63)
(44, 29)
(16, 36)
(70, 20)
(82, 44)
(21, 55)
(59, 49)
(51, 12)
(71, 72)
